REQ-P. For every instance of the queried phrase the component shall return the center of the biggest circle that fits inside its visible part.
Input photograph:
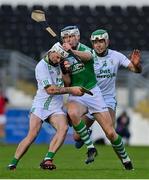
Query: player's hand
(67, 65)
(76, 91)
(135, 57)
(67, 47)
(87, 91)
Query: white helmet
(59, 49)
(69, 30)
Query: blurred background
(22, 43)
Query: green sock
(14, 161)
(49, 155)
(82, 131)
(119, 148)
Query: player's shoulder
(41, 64)
(115, 53)
(83, 47)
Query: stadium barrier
(17, 128)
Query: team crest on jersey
(112, 63)
(104, 64)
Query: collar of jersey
(103, 54)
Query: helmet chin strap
(53, 64)
(104, 53)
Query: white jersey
(47, 75)
(106, 71)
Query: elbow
(89, 56)
(86, 56)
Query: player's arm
(136, 69)
(135, 64)
(84, 56)
(66, 79)
(55, 90)
(66, 70)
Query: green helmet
(100, 34)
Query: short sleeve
(123, 60)
(43, 76)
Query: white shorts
(94, 103)
(44, 114)
(3, 119)
(110, 102)
(55, 106)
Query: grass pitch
(70, 164)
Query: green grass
(70, 164)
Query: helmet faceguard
(70, 30)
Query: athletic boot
(91, 154)
(11, 167)
(47, 164)
(128, 165)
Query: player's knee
(62, 130)
(31, 136)
(73, 113)
(74, 117)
